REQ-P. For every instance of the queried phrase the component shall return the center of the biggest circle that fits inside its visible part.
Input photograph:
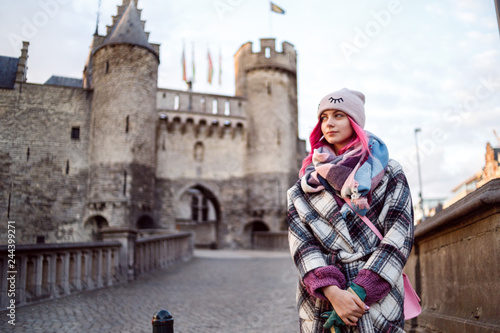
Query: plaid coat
(321, 233)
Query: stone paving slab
(217, 291)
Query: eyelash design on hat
(335, 100)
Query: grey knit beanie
(349, 101)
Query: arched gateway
(199, 212)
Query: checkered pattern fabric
(320, 235)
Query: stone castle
(114, 150)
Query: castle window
(176, 102)
(198, 151)
(268, 85)
(227, 109)
(124, 182)
(127, 124)
(75, 133)
(107, 67)
(267, 52)
(214, 106)
(203, 104)
(28, 154)
(164, 95)
(67, 166)
(194, 208)
(199, 208)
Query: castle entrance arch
(93, 225)
(145, 222)
(249, 230)
(199, 213)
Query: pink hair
(316, 134)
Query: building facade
(114, 150)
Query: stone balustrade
(158, 252)
(48, 271)
(45, 271)
(270, 240)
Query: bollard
(163, 322)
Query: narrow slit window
(107, 67)
(127, 120)
(124, 182)
(214, 107)
(176, 102)
(28, 154)
(203, 105)
(67, 166)
(227, 108)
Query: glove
(334, 322)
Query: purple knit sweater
(375, 286)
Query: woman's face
(336, 128)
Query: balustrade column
(52, 267)
(78, 270)
(87, 270)
(99, 268)
(109, 281)
(65, 273)
(127, 237)
(21, 273)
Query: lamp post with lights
(421, 202)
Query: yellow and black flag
(277, 9)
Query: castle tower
(268, 80)
(123, 77)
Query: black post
(163, 322)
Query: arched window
(203, 104)
(227, 108)
(198, 151)
(199, 207)
(176, 102)
(214, 106)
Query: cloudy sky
(432, 65)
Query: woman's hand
(349, 306)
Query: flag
(192, 60)
(220, 68)
(210, 68)
(184, 78)
(277, 9)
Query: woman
(346, 272)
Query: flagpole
(270, 18)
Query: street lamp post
(421, 202)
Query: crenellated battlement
(199, 103)
(202, 114)
(267, 57)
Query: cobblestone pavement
(217, 291)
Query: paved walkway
(217, 291)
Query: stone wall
(43, 171)
(455, 267)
